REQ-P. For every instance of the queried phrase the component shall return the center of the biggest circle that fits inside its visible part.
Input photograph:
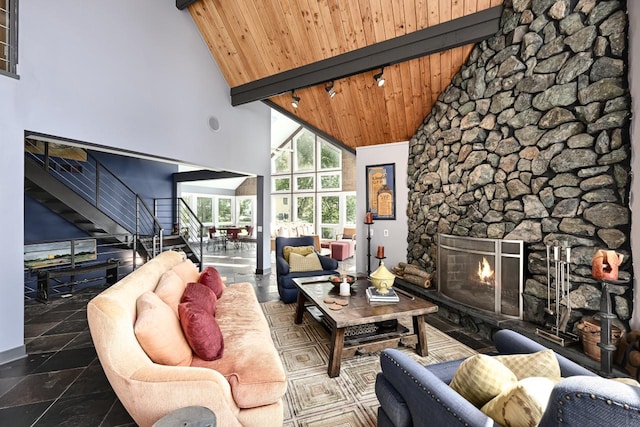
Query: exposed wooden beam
(202, 175)
(458, 32)
(183, 4)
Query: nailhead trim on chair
(437, 399)
(609, 402)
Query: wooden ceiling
(252, 41)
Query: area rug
(315, 400)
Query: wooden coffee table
(312, 291)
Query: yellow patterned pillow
(302, 250)
(480, 378)
(308, 262)
(539, 364)
(523, 404)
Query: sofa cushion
(187, 271)
(309, 262)
(523, 404)
(539, 364)
(211, 278)
(301, 250)
(159, 333)
(198, 293)
(202, 331)
(480, 378)
(250, 363)
(170, 288)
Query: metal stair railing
(93, 181)
(177, 214)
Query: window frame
(320, 143)
(12, 42)
(275, 178)
(296, 168)
(284, 151)
(286, 201)
(211, 213)
(239, 201)
(333, 173)
(297, 189)
(231, 200)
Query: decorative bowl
(382, 279)
(336, 279)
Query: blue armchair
(414, 395)
(286, 288)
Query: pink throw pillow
(202, 331)
(159, 332)
(198, 293)
(211, 278)
(170, 288)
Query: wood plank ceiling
(252, 40)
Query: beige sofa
(244, 388)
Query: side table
(190, 416)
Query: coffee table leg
(335, 352)
(300, 308)
(420, 329)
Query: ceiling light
(379, 78)
(294, 99)
(329, 89)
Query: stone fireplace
(481, 273)
(531, 142)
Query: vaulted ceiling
(265, 49)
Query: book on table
(374, 296)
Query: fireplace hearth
(482, 273)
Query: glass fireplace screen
(482, 273)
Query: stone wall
(531, 142)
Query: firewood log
(416, 271)
(397, 271)
(417, 280)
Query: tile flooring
(61, 382)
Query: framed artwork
(381, 191)
(40, 255)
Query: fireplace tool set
(562, 306)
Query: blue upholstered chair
(411, 394)
(286, 288)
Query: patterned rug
(315, 400)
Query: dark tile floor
(61, 382)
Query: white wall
(395, 244)
(131, 75)
(633, 9)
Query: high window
(306, 185)
(8, 36)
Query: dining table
(232, 233)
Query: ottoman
(340, 250)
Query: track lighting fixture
(329, 89)
(379, 78)
(294, 99)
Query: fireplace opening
(482, 273)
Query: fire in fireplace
(485, 273)
(482, 273)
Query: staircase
(188, 235)
(76, 186)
